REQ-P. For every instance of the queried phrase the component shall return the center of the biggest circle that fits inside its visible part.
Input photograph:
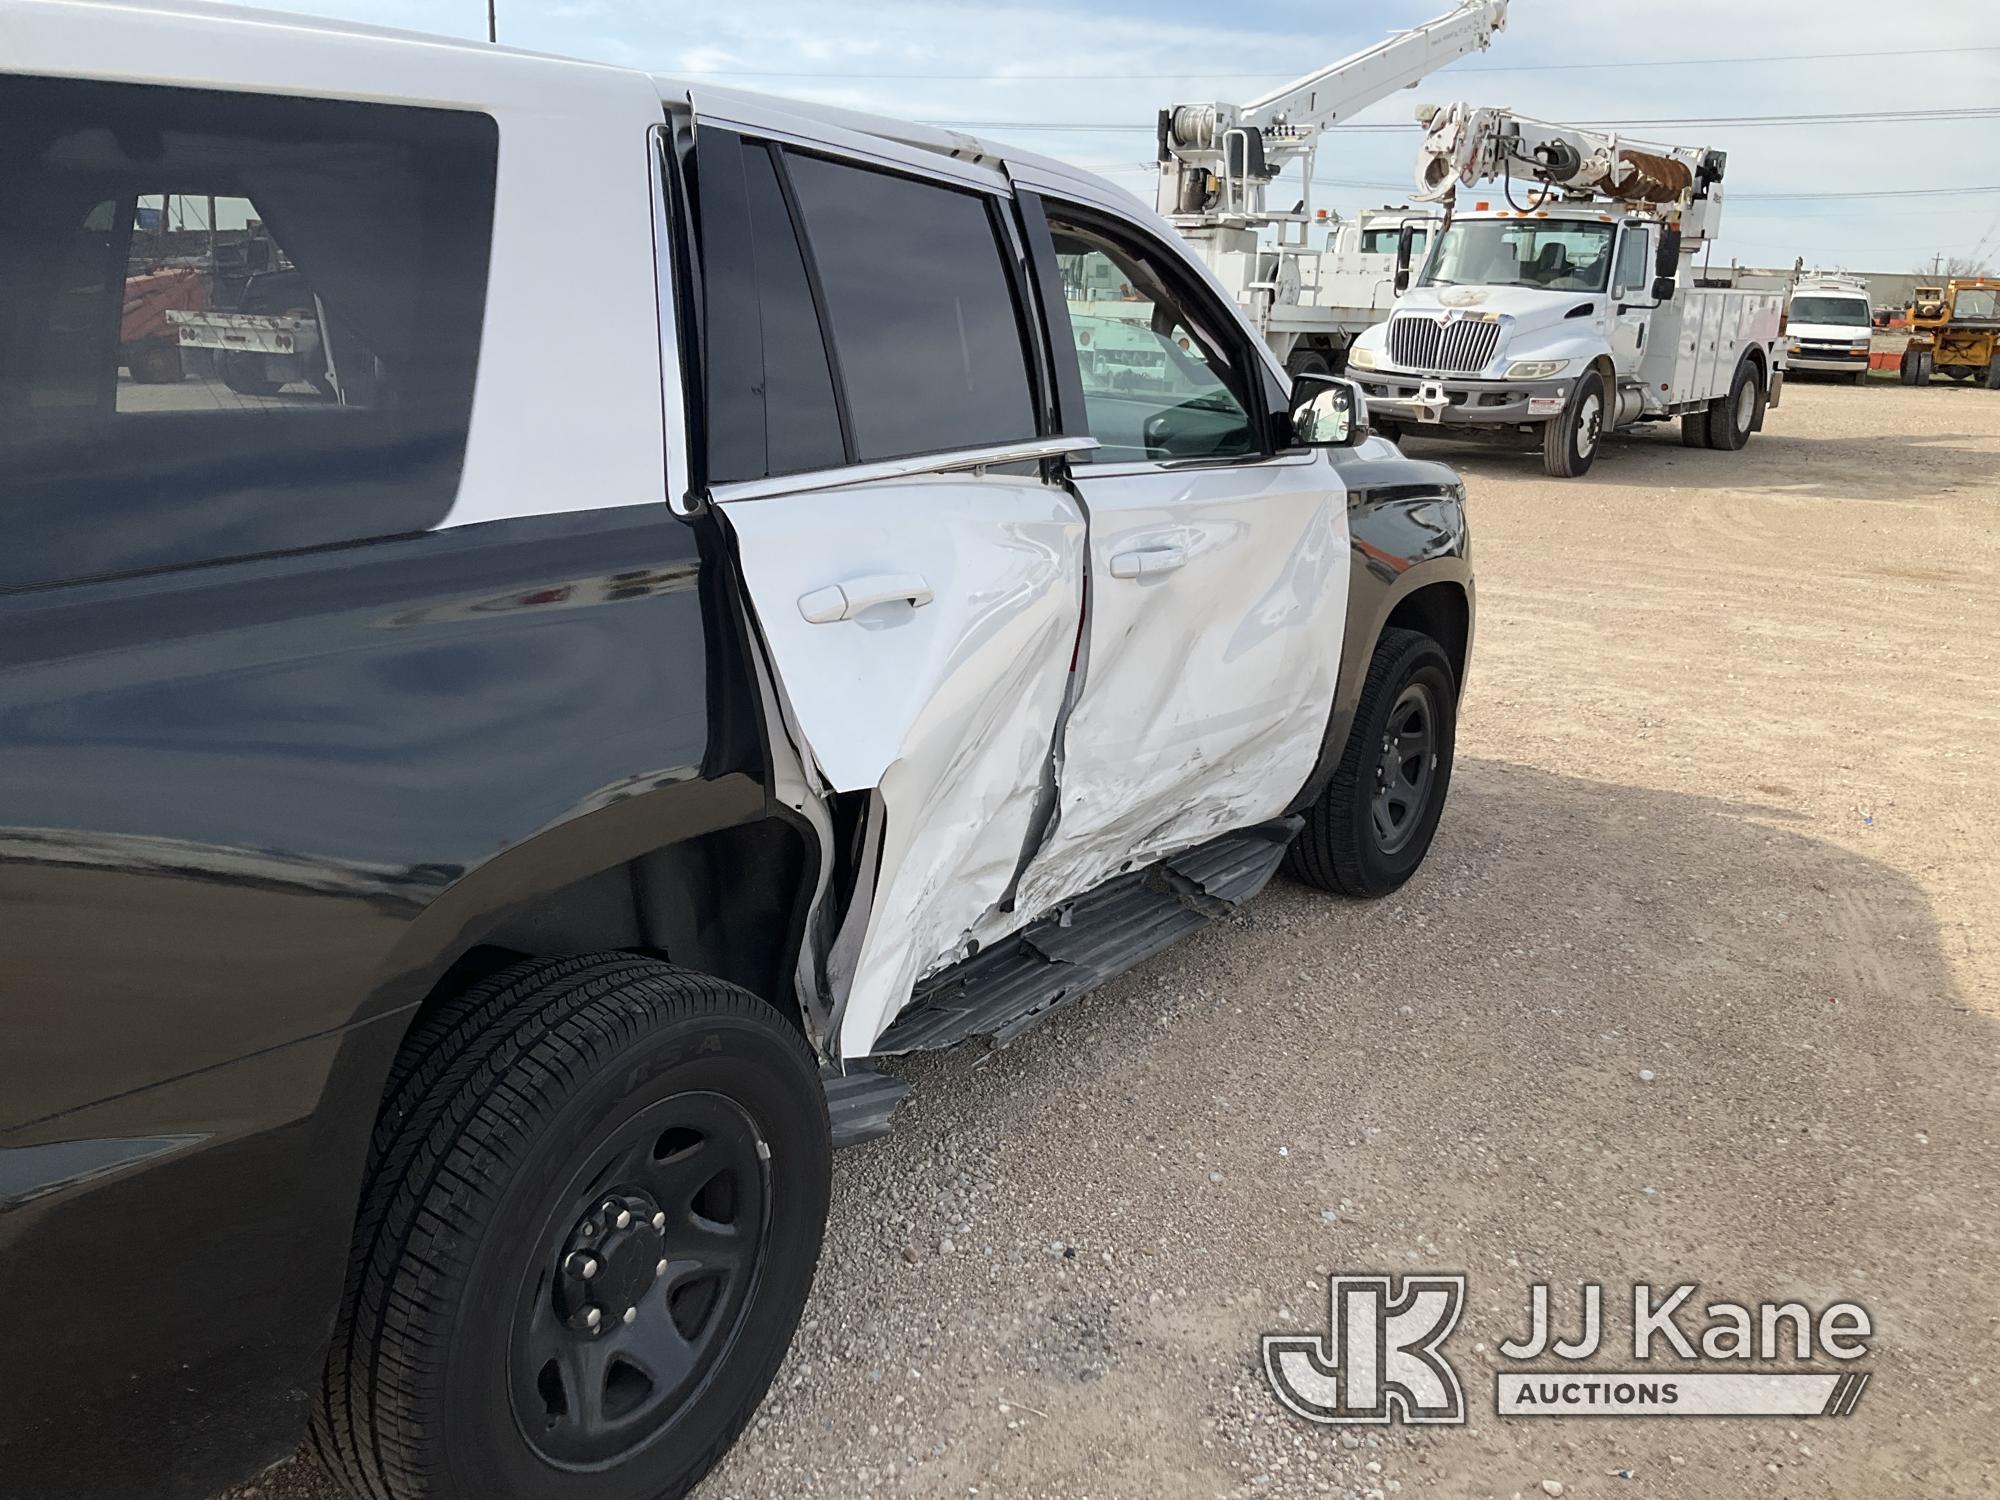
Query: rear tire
(1925, 367)
(1569, 442)
(524, 1119)
(1308, 362)
(1734, 417)
(244, 374)
(1993, 376)
(157, 364)
(1694, 430)
(1374, 820)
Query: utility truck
(1568, 307)
(1307, 282)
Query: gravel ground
(1700, 983)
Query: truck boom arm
(1216, 159)
(1464, 144)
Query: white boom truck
(1307, 283)
(1572, 310)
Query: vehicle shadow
(1899, 466)
(1456, 1077)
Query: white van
(1831, 327)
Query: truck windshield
(1846, 311)
(1974, 303)
(1552, 255)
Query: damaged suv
(702, 592)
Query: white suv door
(876, 446)
(1218, 569)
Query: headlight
(1793, 346)
(1361, 359)
(1862, 346)
(1536, 369)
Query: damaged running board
(1062, 957)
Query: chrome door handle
(1147, 562)
(843, 601)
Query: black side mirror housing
(1666, 265)
(1326, 412)
(1406, 241)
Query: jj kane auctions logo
(1382, 1360)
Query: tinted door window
(1157, 382)
(230, 324)
(771, 403)
(927, 335)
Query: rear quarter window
(230, 324)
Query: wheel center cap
(612, 1256)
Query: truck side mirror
(1327, 412)
(1666, 264)
(1406, 240)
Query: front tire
(1374, 821)
(593, 1210)
(1569, 442)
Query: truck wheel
(156, 364)
(1906, 368)
(1861, 377)
(1925, 366)
(591, 1216)
(1373, 823)
(1694, 430)
(1993, 376)
(1733, 418)
(244, 374)
(1569, 442)
(1307, 362)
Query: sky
(1015, 72)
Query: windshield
(1974, 303)
(1551, 255)
(1849, 311)
(1383, 241)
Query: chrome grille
(1461, 346)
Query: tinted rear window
(230, 324)
(926, 332)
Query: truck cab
(1572, 320)
(1831, 328)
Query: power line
(1849, 117)
(1661, 62)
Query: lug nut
(659, 1270)
(631, 1313)
(591, 1318)
(659, 1221)
(583, 1266)
(624, 1219)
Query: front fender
(1407, 532)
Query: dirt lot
(1724, 815)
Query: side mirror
(1327, 412)
(1663, 288)
(1406, 241)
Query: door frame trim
(958, 461)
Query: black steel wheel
(1405, 768)
(592, 1215)
(1373, 822)
(1570, 441)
